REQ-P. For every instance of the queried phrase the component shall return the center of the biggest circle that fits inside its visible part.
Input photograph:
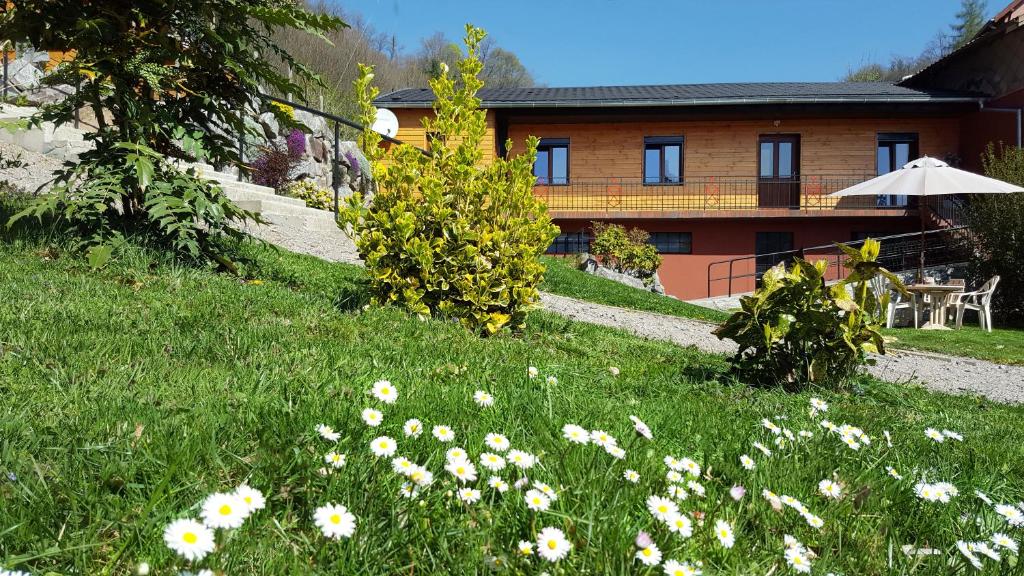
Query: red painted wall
(685, 276)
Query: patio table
(937, 294)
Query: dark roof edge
(381, 103)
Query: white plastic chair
(980, 301)
(880, 286)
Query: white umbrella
(928, 177)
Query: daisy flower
(830, 489)
(673, 463)
(674, 568)
(747, 462)
(252, 497)
(483, 399)
(455, 453)
(334, 459)
(987, 550)
(614, 370)
(649, 556)
(695, 487)
(224, 511)
(497, 442)
(532, 372)
(462, 470)
(537, 501)
(469, 495)
(327, 433)
(1013, 515)
(551, 381)
(372, 417)
(661, 508)
(413, 428)
(552, 544)
(673, 476)
(189, 539)
(443, 433)
(949, 434)
(575, 434)
(403, 466)
(892, 472)
(615, 452)
(806, 434)
(641, 428)
(408, 490)
(384, 391)
(965, 549)
(492, 462)
(934, 434)
(335, 521)
(383, 446)
(737, 492)
(772, 499)
(546, 490)
(421, 476)
(498, 484)
(522, 460)
(631, 476)
(764, 449)
(771, 426)
(813, 521)
(525, 548)
(691, 467)
(602, 438)
(1003, 541)
(678, 492)
(797, 559)
(819, 405)
(680, 524)
(723, 531)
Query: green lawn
(1003, 345)
(132, 393)
(562, 278)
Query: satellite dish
(386, 123)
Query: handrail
(732, 261)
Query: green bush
(626, 251)
(796, 330)
(448, 233)
(314, 195)
(995, 223)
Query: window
(552, 165)
(894, 150)
(570, 243)
(765, 247)
(663, 159)
(672, 242)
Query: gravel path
(35, 169)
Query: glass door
(778, 171)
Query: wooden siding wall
(410, 130)
(729, 148)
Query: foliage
(626, 251)
(276, 160)
(313, 194)
(969, 20)
(795, 330)
(175, 78)
(995, 224)
(119, 418)
(449, 233)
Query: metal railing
(898, 253)
(707, 193)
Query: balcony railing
(621, 196)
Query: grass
(132, 393)
(1002, 345)
(562, 278)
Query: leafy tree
(450, 233)
(166, 79)
(995, 223)
(501, 68)
(969, 21)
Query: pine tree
(969, 21)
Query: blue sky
(592, 42)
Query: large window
(766, 246)
(552, 165)
(663, 159)
(672, 242)
(570, 243)
(894, 150)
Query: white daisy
(525, 548)
(681, 524)
(498, 484)
(385, 391)
(934, 434)
(631, 475)
(615, 452)
(403, 466)
(1003, 541)
(797, 559)
(532, 372)
(252, 497)
(443, 433)
(1012, 514)
(463, 470)
(892, 472)
(546, 490)
(723, 531)
(469, 495)
(372, 417)
(551, 381)
(674, 476)
(830, 489)
(536, 500)
(813, 521)
(492, 462)
(987, 550)
(950, 435)
(695, 487)
(678, 492)
(421, 476)
(334, 459)
(413, 428)
(327, 433)
(673, 463)
(455, 453)
(965, 549)
(408, 490)
(691, 467)
(819, 405)
(649, 556)
(522, 460)
(383, 446)
(614, 370)
(496, 442)
(552, 544)
(771, 426)
(602, 438)
(641, 428)
(764, 449)
(335, 521)
(675, 568)
(661, 508)
(224, 511)
(189, 539)
(575, 434)
(483, 399)
(747, 462)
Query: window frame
(687, 244)
(890, 140)
(660, 142)
(581, 238)
(548, 144)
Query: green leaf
(99, 255)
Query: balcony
(715, 196)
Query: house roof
(687, 95)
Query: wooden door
(778, 171)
